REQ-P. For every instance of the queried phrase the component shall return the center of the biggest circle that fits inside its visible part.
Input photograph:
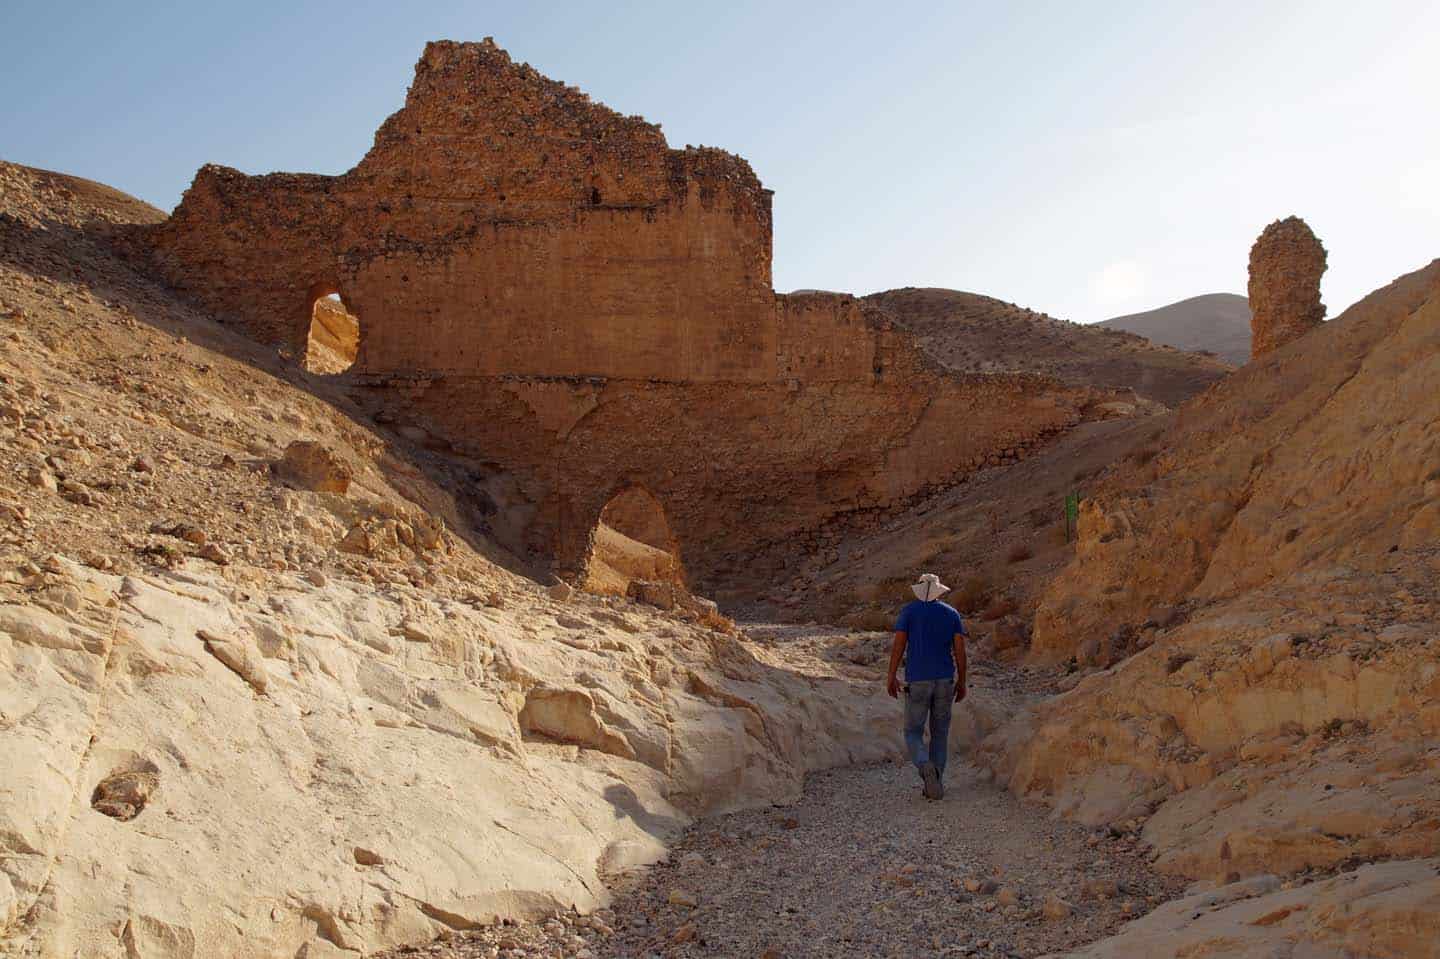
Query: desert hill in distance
(971, 332)
(1218, 323)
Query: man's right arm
(897, 653)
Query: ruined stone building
(548, 286)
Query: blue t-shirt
(930, 630)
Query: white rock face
(338, 769)
(1388, 909)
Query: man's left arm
(960, 666)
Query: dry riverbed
(862, 866)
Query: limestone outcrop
(328, 764)
(1251, 618)
(546, 285)
(1286, 264)
(264, 690)
(1388, 909)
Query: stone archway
(631, 540)
(332, 337)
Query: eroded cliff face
(1317, 456)
(1253, 612)
(1286, 264)
(548, 286)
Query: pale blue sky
(1084, 158)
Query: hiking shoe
(931, 777)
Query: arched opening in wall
(633, 541)
(334, 335)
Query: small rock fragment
(1056, 908)
(215, 554)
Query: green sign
(1072, 515)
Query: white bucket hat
(930, 587)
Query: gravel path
(862, 866)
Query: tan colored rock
(314, 466)
(1275, 726)
(1260, 480)
(123, 795)
(333, 339)
(43, 479)
(1055, 909)
(1388, 909)
(331, 750)
(1286, 264)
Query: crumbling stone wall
(549, 286)
(1286, 264)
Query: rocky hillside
(268, 686)
(1217, 323)
(1252, 611)
(967, 331)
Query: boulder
(314, 466)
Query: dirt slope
(1215, 322)
(967, 331)
(996, 539)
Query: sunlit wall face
(1078, 158)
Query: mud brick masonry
(552, 288)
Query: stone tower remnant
(1286, 264)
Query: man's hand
(892, 686)
(960, 690)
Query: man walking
(930, 638)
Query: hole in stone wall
(123, 794)
(334, 336)
(594, 196)
(633, 541)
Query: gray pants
(929, 702)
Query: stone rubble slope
(265, 689)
